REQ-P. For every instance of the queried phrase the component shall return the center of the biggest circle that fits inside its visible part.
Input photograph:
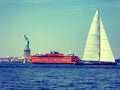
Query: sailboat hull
(95, 63)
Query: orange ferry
(54, 58)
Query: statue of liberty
(27, 43)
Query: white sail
(106, 54)
(92, 45)
(97, 46)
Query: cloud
(26, 1)
(36, 1)
(117, 5)
(74, 7)
(111, 4)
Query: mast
(99, 35)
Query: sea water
(26, 76)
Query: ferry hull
(54, 59)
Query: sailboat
(97, 49)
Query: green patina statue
(27, 43)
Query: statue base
(26, 53)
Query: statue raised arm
(27, 43)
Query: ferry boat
(54, 58)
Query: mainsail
(97, 46)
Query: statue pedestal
(26, 53)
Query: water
(20, 76)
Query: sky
(57, 25)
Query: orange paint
(54, 58)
